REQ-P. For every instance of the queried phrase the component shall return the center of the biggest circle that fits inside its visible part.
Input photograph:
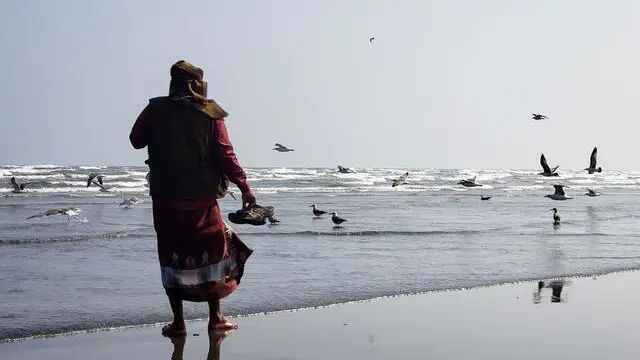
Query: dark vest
(181, 159)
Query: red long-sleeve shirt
(227, 158)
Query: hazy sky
(445, 84)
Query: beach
(594, 319)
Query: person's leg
(217, 321)
(177, 327)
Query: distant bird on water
(70, 212)
(316, 211)
(17, 188)
(592, 162)
(539, 117)
(401, 180)
(482, 197)
(559, 193)
(546, 170)
(337, 219)
(556, 217)
(281, 148)
(592, 193)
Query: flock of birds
(95, 179)
(547, 171)
(559, 194)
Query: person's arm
(138, 135)
(227, 157)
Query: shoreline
(594, 319)
(262, 314)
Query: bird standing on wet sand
(127, 202)
(317, 212)
(336, 219)
(556, 217)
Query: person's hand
(248, 199)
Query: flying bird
(469, 182)
(17, 188)
(539, 117)
(546, 170)
(592, 162)
(96, 179)
(401, 180)
(371, 39)
(345, 170)
(70, 212)
(559, 193)
(592, 193)
(281, 148)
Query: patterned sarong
(201, 257)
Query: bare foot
(222, 324)
(174, 330)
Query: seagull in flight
(70, 212)
(539, 117)
(546, 170)
(592, 193)
(281, 148)
(401, 180)
(469, 182)
(371, 39)
(17, 188)
(96, 179)
(592, 162)
(559, 193)
(345, 170)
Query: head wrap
(188, 87)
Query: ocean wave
(56, 179)
(41, 240)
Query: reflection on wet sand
(556, 287)
(216, 337)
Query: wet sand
(595, 318)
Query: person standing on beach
(190, 158)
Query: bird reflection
(556, 287)
(216, 337)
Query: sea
(100, 271)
